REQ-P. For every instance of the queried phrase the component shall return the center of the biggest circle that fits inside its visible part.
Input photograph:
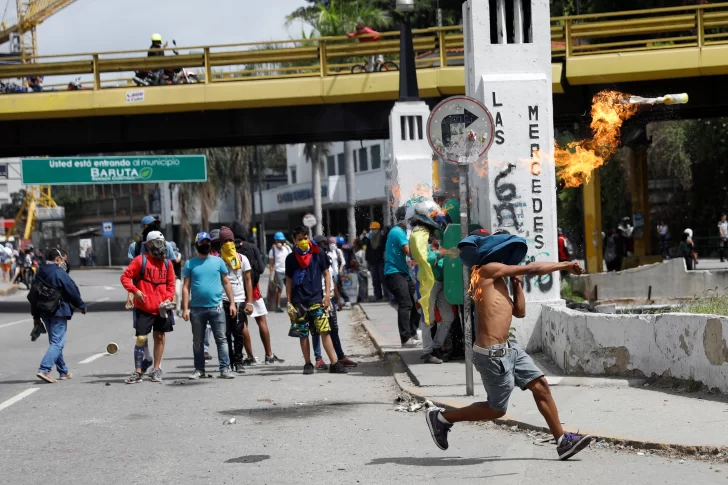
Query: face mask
(304, 245)
(63, 266)
(204, 249)
(280, 245)
(374, 232)
(230, 255)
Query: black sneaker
(308, 369)
(338, 368)
(249, 361)
(239, 368)
(571, 444)
(273, 359)
(438, 429)
(134, 378)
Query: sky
(109, 25)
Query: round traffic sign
(460, 130)
(309, 220)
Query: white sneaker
(413, 342)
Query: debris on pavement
(230, 421)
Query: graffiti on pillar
(507, 210)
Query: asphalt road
(290, 428)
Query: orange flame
(579, 159)
(475, 290)
(394, 188)
(481, 167)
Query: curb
(10, 290)
(397, 363)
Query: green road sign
(114, 170)
(452, 267)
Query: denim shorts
(501, 374)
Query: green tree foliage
(339, 17)
(10, 209)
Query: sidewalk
(615, 409)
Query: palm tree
(340, 16)
(316, 153)
(231, 166)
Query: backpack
(257, 265)
(46, 299)
(137, 248)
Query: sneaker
(279, 310)
(146, 364)
(273, 359)
(571, 444)
(197, 374)
(347, 305)
(308, 369)
(338, 368)
(413, 342)
(321, 365)
(438, 429)
(347, 362)
(239, 368)
(65, 376)
(156, 375)
(250, 361)
(208, 356)
(134, 378)
(431, 359)
(226, 374)
(46, 377)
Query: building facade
(284, 206)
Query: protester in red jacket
(150, 278)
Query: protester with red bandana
(308, 301)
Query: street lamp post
(408, 89)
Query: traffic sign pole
(108, 249)
(467, 321)
(460, 130)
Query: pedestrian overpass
(304, 90)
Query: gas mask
(157, 248)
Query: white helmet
(426, 212)
(156, 244)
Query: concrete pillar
(640, 201)
(593, 224)
(349, 148)
(514, 189)
(409, 173)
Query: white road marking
(17, 398)
(92, 358)
(99, 301)
(16, 322)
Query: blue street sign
(107, 229)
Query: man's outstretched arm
(499, 270)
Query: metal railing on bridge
(581, 35)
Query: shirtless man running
(502, 363)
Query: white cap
(154, 235)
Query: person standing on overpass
(367, 34)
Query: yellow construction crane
(35, 197)
(31, 13)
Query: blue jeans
(56, 328)
(334, 322)
(200, 318)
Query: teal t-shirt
(395, 260)
(205, 276)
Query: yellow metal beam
(593, 223)
(640, 201)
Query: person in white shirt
(336, 256)
(238, 268)
(723, 233)
(277, 257)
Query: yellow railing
(617, 32)
(640, 30)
